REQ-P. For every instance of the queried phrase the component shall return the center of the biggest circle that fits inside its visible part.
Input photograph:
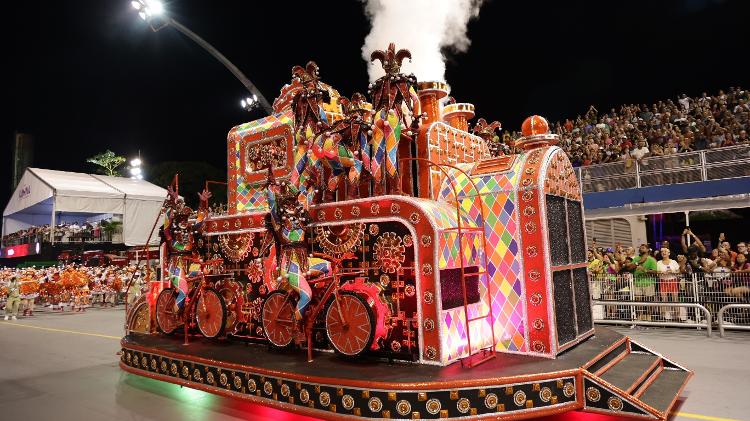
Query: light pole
(152, 11)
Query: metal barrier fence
(711, 164)
(679, 300)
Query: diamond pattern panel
(250, 197)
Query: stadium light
(154, 13)
(249, 103)
(136, 172)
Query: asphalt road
(65, 367)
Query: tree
(108, 162)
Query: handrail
(639, 171)
(720, 317)
(652, 304)
(461, 254)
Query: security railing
(706, 165)
(677, 300)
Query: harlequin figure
(397, 112)
(288, 220)
(309, 121)
(179, 233)
(487, 133)
(349, 145)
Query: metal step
(662, 393)
(629, 372)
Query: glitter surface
(451, 292)
(575, 228)
(564, 309)
(583, 303)
(557, 231)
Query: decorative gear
(389, 252)
(236, 247)
(348, 240)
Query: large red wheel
(210, 313)
(167, 315)
(278, 319)
(231, 292)
(350, 330)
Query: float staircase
(630, 379)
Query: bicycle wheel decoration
(167, 314)
(210, 313)
(350, 324)
(278, 319)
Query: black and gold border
(518, 400)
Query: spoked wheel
(231, 292)
(278, 319)
(351, 330)
(210, 313)
(167, 317)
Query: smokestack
(430, 94)
(458, 115)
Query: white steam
(424, 27)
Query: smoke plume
(425, 27)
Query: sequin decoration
(338, 213)
(463, 405)
(538, 346)
(535, 299)
(355, 211)
(530, 227)
(430, 353)
(375, 404)
(268, 388)
(223, 379)
(569, 390)
(490, 401)
(197, 376)
(237, 382)
(375, 209)
(324, 398)
(322, 215)
(532, 251)
(285, 390)
(545, 394)
(426, 269)
(519, 398)
(538, 324)
(426, 240)
(414, 218)
(614, 403)
(403, 407)
(374, 229)
(429, 325)
(593, 394)
(429, 297)
(347, 401)
(409, 290)
(433, 406)
(534, 275)
(408, 241)
(395, 346)
(164, 367)
(395, 208)
(304, 396)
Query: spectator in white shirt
(668, 270)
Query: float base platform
(608, 373)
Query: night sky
(85, 76)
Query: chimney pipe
(458, 115)
(430, 94)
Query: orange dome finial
(535, 125)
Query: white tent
(49, 197)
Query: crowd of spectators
(64, 233)
(635, 132)
(672, 273)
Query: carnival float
(381, 260)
